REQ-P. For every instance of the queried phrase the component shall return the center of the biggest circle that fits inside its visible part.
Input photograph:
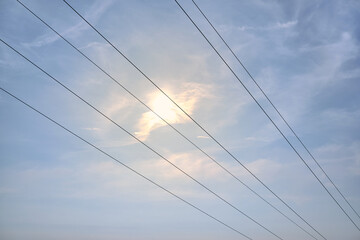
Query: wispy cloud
(275, 26)
(95, 12)
(204, 137)
(43, 40)
(92, 129)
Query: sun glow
(162, 106)
(165, 108)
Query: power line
(143, 143)
(278, 112)
(126, 166)
(175, 129)
(191, 117)
(263, 110)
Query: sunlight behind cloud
(165, 108)
(169, 111)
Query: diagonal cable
(124, 165)
(192, 118)
(143, 143)
(175, 129)
(263, 110)
(276, 109)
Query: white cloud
(119, 103)
(43, 40)
(92, 129)
(204, 137)
(276, 26)
(289, 24)
(92, 15)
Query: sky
(304, 54)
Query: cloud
(166, 109)
(276, 26)
(284, 25)
(186, 99)
(204, 137)
(92, 129)
(324, 69)
(119, 103)
(42, 41)
(95, 12)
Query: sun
(165, 108)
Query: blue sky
(305, 55)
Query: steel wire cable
(137, 68)
(276, 109)
(124, 165)
(143, 143)
(271, 120)
(175, 129)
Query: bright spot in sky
(165, 108)
(162, 106)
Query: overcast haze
(305, 55)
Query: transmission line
(192, 118)
(175, 129)
(143, 143)
(263, 110)
(124, 165)
(276, 109)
